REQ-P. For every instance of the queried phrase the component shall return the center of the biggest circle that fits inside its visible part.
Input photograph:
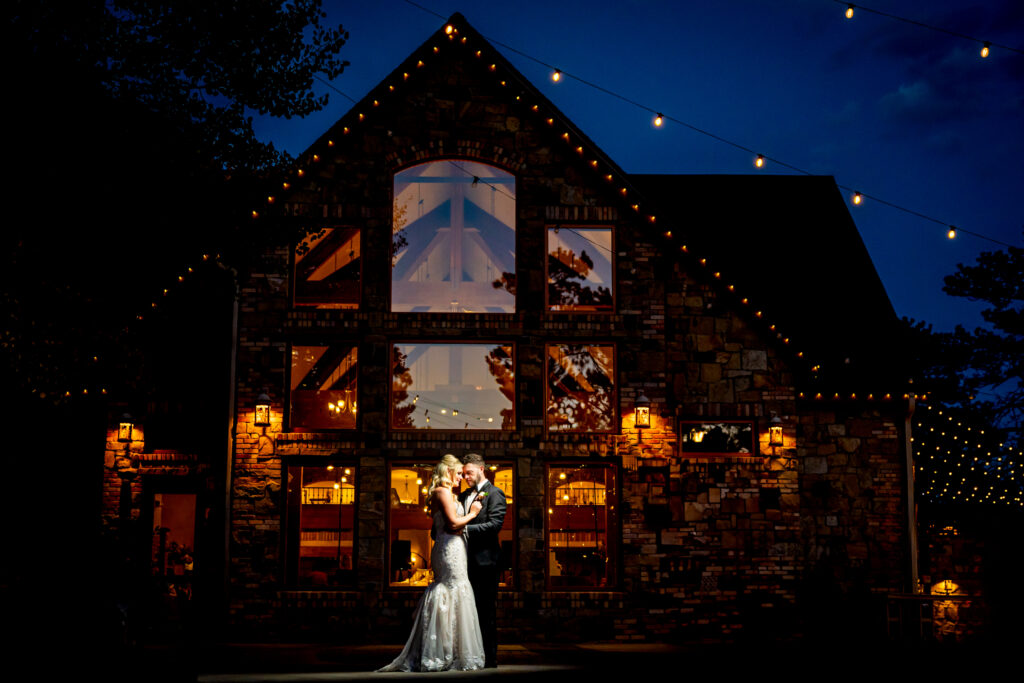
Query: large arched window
(454, 238)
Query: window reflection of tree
(718, 437)
(580, 388)
(406, 399)
(573, 282)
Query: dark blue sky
(912, 116)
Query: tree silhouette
(567, 283)
(981, 372)
(500, 365)
(401, 379)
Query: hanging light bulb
(849, 11)
(952, 233)
(984, 49)
(658, 120)
(857, 198)
(556, 75)
(759, 161)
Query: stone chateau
(687, 386)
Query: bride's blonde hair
(442, 477)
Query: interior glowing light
(449, 28)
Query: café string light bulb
(849, 11)
(658, 120)
(952, 233)
(556, 75)
(759, 161)
(858, 198)
(984, 49)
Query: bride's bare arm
(450, 507)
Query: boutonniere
(481, 496)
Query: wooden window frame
(615, 420)
(614, 284)
(440, 342)
(613, 525)
(288, 413)
(291, 520)
(391, 251)
(683, 422)
(293, 281)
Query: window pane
(716, 437)
(327, 269)
(454, 238)
(579, 269)
(410, 544)
(581, 388)
(582, 528)
(453, 386)
(323, 387)
(322, 502)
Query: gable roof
(801, 254)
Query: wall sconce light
(642, 412)
(124, 428)
(262, 410)
(775, 431)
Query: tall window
(582, 528)
(580, 387)
(454, 238)
(453, 386)
(579, 269)
(327, 268)
(323, 387)
(410, 544)
(321, 524)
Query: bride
(446, 630)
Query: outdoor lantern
(775, 431)
(262, 410)
(642, 412)
(124, 428)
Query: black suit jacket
(482, 532)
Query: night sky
(912, 116)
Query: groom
(484, 548)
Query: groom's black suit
(485, 562)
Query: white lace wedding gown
(445, 630)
